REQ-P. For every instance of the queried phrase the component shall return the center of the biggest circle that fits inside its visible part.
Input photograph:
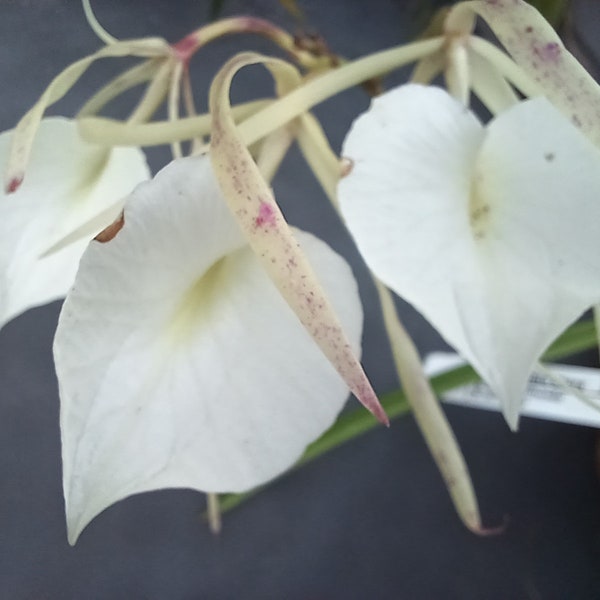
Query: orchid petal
(70, 182)
(492, 233)
(179, 363)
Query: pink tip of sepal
(381, 416)
(369, 400)
(14, 184)
(489, 531)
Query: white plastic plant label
(566, 393)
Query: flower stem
(95, 25)
(109, 132)
(213, 512)
(506, 66)
(191, 43)
(325, 86)
(271, 117)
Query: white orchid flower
(179, 362)
(70, 184)
(491, 232)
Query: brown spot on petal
(346, 166)
(111, 231)
(373, 87)
(315, 44)
(479, 209)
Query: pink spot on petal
(266, 216)
(346, 166)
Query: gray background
(372, 519)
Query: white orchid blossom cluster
(203, 342)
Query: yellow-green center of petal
(479, 208)
(198, 303)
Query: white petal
(179, 363)
(493, 234)
(68, 182)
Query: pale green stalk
(25, 130)
(325, 86)
(428, 68)
(154, 95)
(489, 86)
(121, 83)
(597, 322)
(510, 70)
(213, 512)
(173, 103)
(109, 132)
(431, 419)
(190, 108)
(95, 25)
(317, 152)
(278, 113)
(276, 145)
(273, 150)
(457, 73)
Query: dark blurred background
(370, 520)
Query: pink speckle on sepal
(266, 216)
(367, 397)
(548, 52)
(14, 184)
(351, 371)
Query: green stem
(579, 337)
